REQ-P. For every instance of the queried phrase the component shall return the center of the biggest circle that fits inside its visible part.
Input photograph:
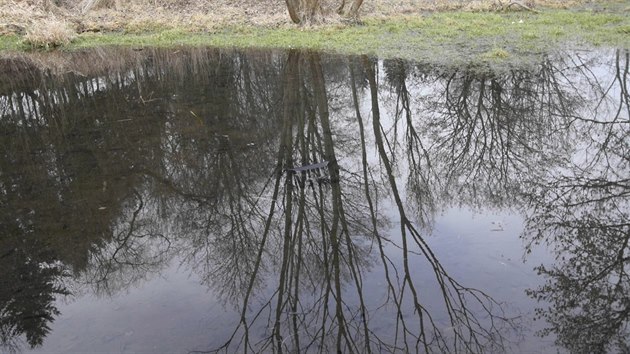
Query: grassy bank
(442, 36)
(447, 36)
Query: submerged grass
(457, 35)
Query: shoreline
(440, 37)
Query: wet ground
(197, 200)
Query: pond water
(188, 200)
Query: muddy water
(197, 200)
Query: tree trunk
(294, 10)
(341, 6)
(304, 11)
(87, 5)
(353, 11)
(310, 11)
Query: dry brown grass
(42, 26)
(49, 33)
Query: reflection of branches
(469, 333)
(222, 225)
(133, 252)
(491, 128)
(281, 160)
(421, 175)
(588, 288)
(316, 250)
(583, 215)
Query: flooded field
(200, 200)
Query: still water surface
(197, 200)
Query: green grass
(11, 43)
(448, 37)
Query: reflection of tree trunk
(322, 106)
(368, 196)
(283, 160)
(291, 90)
(404, 221)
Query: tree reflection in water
(583, 213)
(324, 240)
(195, 157)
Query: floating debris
(308, 167)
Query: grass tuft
(623, 29)
(49, 33)
(496, 53)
